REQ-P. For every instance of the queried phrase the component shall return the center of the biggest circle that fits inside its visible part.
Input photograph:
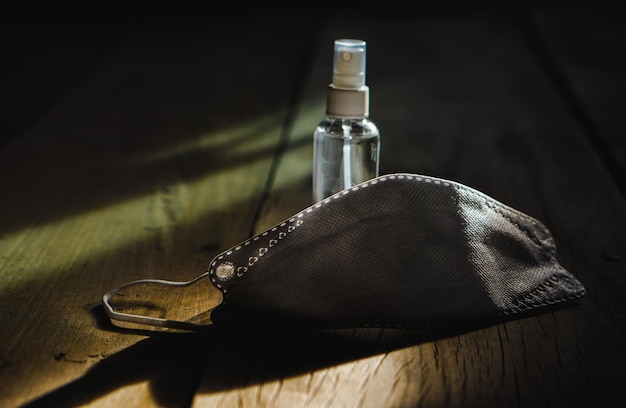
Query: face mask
(401, 250)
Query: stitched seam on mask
(272, 236)
(529, 306)
(490, 201)
(532, 299)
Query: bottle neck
(335, 121)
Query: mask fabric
(401, 250)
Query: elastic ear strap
(147, 320)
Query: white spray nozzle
(349, 64)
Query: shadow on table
(179, 365)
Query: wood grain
(156, 162)
(469, 101)
(196, 133)
(583, 48)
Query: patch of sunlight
(97, 232)
(335, 384)
(309, 116)
(240, 138)
(133, 395)
(297, 162)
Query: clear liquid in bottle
(346, 153)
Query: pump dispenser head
(348, 96)
(349, 64)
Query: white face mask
(400, 250)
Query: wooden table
(140, 148)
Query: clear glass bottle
(346, 147)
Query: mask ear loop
(154, 321)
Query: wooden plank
(465, 99)
(43, 58)
(584, 47)
(159, 159)
(154, 164)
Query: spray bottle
(346, 147)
